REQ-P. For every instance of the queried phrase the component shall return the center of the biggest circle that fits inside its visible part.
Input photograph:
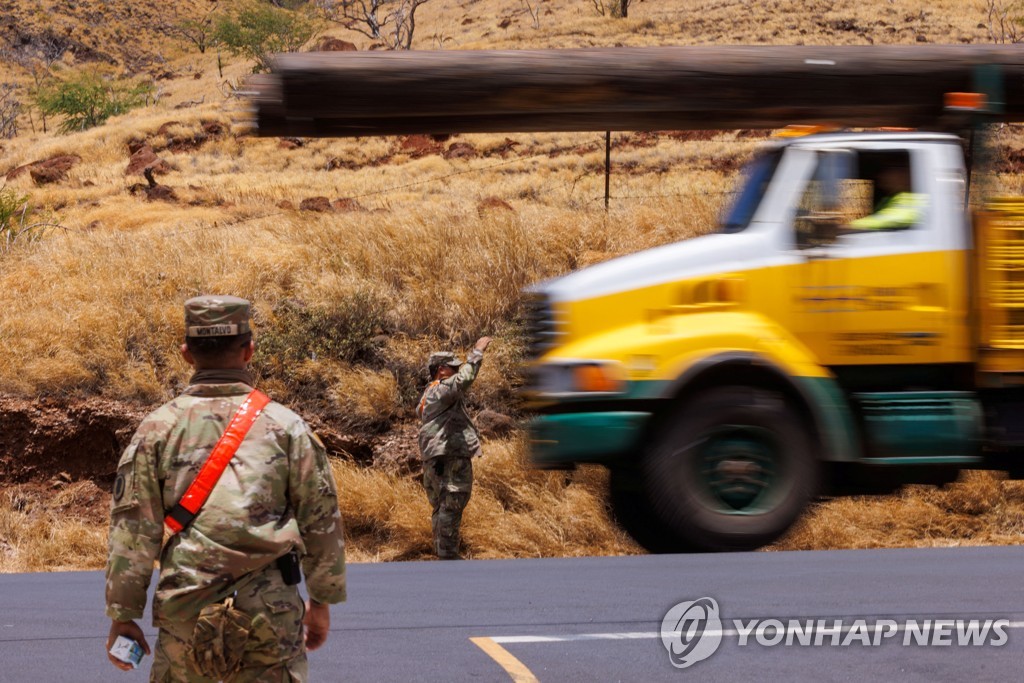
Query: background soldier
(277, 494)
(448, 442)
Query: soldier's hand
(481, 344)
(128, 629)
(318, 623)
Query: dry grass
(43, 530)
(514, 512)
(94, 308)
(982, 508)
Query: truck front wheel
(731, 470)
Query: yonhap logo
(691, 632)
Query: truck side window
(894, 203)
(833, 197)
(757, 176)
(857, 191)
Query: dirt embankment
(70, 440)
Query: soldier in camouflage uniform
(448, 441)
(277, 494)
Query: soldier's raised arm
(463, 379)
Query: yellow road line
(512, 666)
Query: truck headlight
(566, 378)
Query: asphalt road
(590, 619)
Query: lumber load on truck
(339, 94)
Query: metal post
(607, 167)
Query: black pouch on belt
(288, 564)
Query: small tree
(86, 99)
(391, 21)
(259, 31)
(616, 8)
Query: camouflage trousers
(280, 659)
(448, 482)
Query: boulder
(321, 204)
(146, 159)
(47, 170)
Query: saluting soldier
(225, 602)
(448, 442)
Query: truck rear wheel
(732, 470)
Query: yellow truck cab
(848, 328)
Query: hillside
(361, 256)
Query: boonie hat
(216, 316)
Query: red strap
(199, 490)
(423, 401)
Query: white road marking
(640, 635)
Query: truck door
(873, 288)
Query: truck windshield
(756, 178)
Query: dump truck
(728, 379)
(811, 344)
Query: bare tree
(197, 30)
(1004, 18)
(37, 58)
(390, 21)
(10, 108)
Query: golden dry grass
(514, 511)
(93, 308)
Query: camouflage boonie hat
(216, 316)
(439, 358)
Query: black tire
(731, 470)
(632, 510)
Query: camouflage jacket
(276, 493)
(447, 429)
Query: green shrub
(343, 332)
(86, 99)
(258, 31)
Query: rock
(460, 150)
(162, 130)
(47, 170)
(329, 44)
(146, 159)
(346, 204)
(321, 204)
(291, 143)
(493, 424)
(419, 145)
(286, 205)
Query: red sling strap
(199, 490)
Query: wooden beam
(384, 93)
